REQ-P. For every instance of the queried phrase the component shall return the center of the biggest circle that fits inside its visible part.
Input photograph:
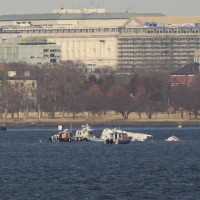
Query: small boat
(64, 136)
(179, 125)
(173, 139)
(111, 136)
(3, 127)
(85, 134)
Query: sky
(167, 7)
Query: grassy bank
(110, 119)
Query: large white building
(101, 39)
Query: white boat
(135, 136)
(86, 133)
(172, 139)
(64, 136)
(111, 136)
(2, 127)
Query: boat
(173, 139)
(64, 136)
(85, 134)
(180, 125)
(135, 136)
(3, 127)
(111, 136)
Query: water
(157, 170)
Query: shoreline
(110, 119)
(117, 123)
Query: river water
(31, 167)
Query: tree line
(67, 88)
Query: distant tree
(120, 100)
(49, 94)
(9, 96)
(88, 81)
(152, 94)
(93, 100)
(70, 88)
(106, 82)
(42, 78)
(193, 96)
(179, 98)
(22, 87)
(133, 84)
(59, 88)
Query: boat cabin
(85, 132)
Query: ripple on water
(140, 170)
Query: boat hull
(124, 141)
(2, 127)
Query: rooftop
(75, 16)
(191, 68)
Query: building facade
(197, 55)
(185, 75)
(143, 47)
(32, 50)
(25, 84)
(102, 40)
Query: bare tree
(152, 93)
(93, 100)
(120, 100)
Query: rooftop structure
(191, 68)
(75, 16)
(80, 11)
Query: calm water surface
(31, 169)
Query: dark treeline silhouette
(66, 88)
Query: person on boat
(64, 136)
(126, 136)
(119, 138)
(84, 135)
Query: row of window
(21, 84)
(135, 39)
(23, 22)
(159, 47)
(60, 30)
(181, 78)
(153, 52)
(159, 43)
(162, 30)
(114, 30)
(154, 55)
(51, 50)
(172, 60)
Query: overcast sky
(167, 7)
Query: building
(24, 83)
(185, 75)
(34, 50)
(143, 47)
(197, 55)
(102, 40)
